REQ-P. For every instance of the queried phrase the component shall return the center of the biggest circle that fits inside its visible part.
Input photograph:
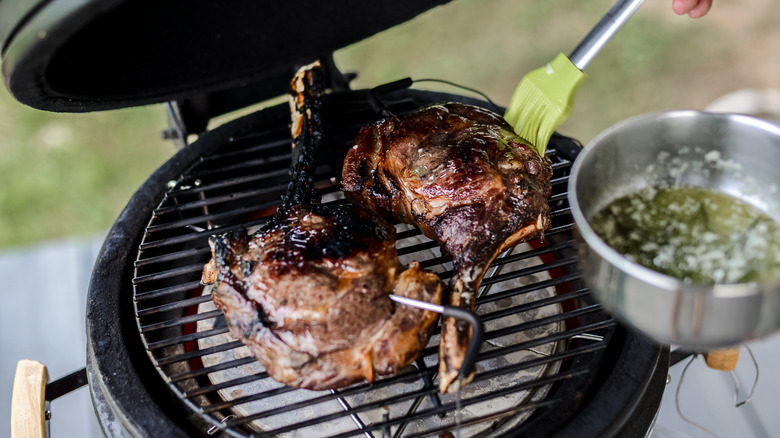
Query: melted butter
(694, 234)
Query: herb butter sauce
(697, 235)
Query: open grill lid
(89, 55)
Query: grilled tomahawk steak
(465, 179)
(308, 292)
(309, 296)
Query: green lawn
(71, 174)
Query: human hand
(694, 8)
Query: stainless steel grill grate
(543, 336)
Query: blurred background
(70, 174)
(64, 178)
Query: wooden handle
(723, 360)
(28, 401)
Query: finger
(701, 9)
(681, 7)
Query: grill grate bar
(195, 354)
(527, 254)
(277, 189)
(557, 197)
(434, 262)
(243, 165)
(189, 269)
(417, 247)
(558, 165)
(211, 388)
(220, 184)
(185, 338)
(261, 166)
(183, 223)
(177, 240)
(576, 351)
(543, 321)
(557, 281)
(254, 147)
(274, 191)
(530, 270)
(175, 305)
(247, 399)
(531, 253)
(180, 321)
(171, 257)
(403, 235)
(555, 299)
(532, 343)
(561, 212)
(212, 369)
(557, 337)
(564, 180)
(558, 230)
(252, 142)
(198, 235)
(219, 164)
(558, 209)
(500, 262)
(157, 293)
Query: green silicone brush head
(543, 100)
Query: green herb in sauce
(697, 235)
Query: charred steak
(465, 179)
(309, 297)
(308, 292)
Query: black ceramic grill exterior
(237, 186)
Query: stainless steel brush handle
(598, 37)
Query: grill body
(151, 337)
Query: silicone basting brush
(545, 97)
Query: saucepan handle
(28, 401)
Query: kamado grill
(160, 361)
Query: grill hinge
(177, 130)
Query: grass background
(71, 174)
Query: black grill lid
(88, 55)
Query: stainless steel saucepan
(735, 154)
